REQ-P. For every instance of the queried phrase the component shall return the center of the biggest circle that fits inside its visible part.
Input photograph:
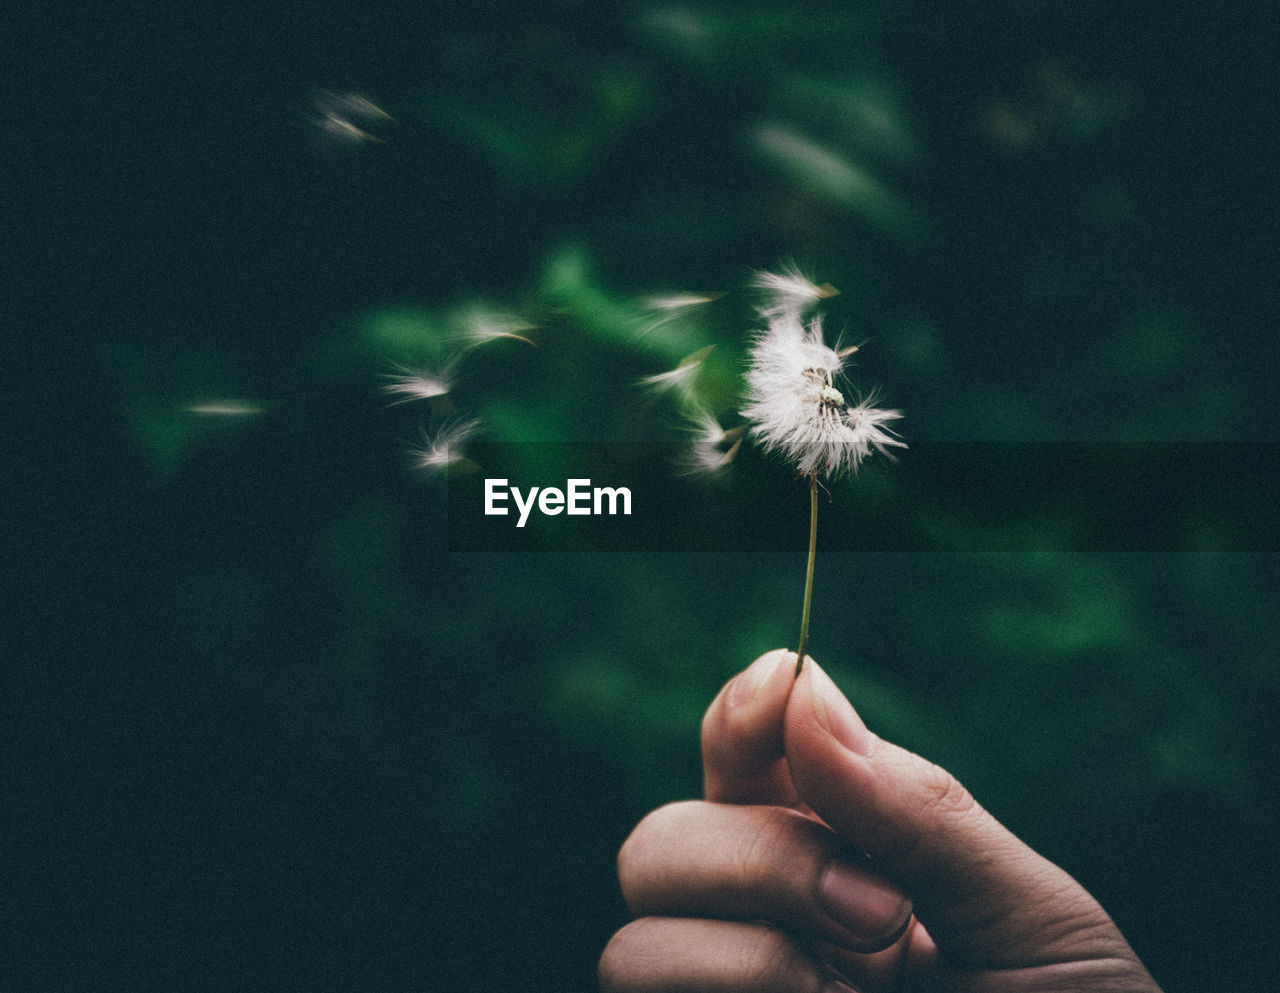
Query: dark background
(267, 729)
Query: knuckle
(938, 800)
(943, 794)
(777, 863)
(779, 837)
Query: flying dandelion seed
(445, 448)
(790, 292)
(226, 407)
(344, 116)
(481, 325)
(713, 446)
(680, 301)
(680, 379)
(662, 310)
(407, 386)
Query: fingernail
(836, 713)
(751, 680)
(867, 905)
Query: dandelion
(795, 408)
(445, 448)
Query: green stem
(808, 573)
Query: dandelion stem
(808, 572)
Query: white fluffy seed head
(794, 408)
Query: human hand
(800, 870)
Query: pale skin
(824, 859)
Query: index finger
(742, 748)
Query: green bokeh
(313, 747)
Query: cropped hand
(824, 858)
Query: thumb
(987, 899)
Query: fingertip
(819, 707)
(746, 687)
(742, 733)
(748, 701)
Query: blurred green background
(269, 732)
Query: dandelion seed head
(797, 412)
(788, 342)
(793, 406)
